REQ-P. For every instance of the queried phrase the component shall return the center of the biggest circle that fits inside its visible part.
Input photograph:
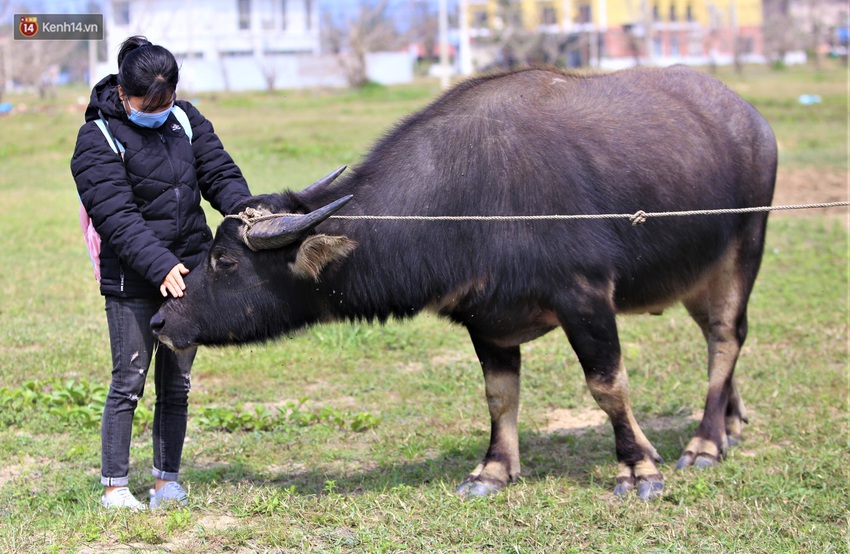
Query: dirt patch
(115, 548)
(811, 185)
(218, 522)
(581, 420)
(451, 357)
(574, 421)
(665, 423)
(412, 367)
(11, 472)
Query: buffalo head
(259, 275)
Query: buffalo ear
(317, 251)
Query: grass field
(351, 438)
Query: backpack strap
(116, 145)
(183, 119)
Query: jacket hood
(104, 98)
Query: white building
(239, 44)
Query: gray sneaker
(171, 492)
(121, 498)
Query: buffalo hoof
(703, 461)
(685, 462)
(477, 488)
(623, 487)
(647, 489)
(650, 490)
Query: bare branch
(370, 29)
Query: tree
(515, 45)
(424, 28)
(30, 63)
(352, 36)
(781, 35)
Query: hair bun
(147, 70)
(131, 44)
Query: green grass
(273, 461)
(813, 135)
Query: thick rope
(251, 216)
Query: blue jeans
(133, 346)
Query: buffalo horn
(287, 228)
(323, 182)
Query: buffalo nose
(157, 323)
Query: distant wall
(292, 71)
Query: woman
(144, 203)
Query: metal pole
(93, 77)
(464, 51)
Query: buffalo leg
(735, 411)
(720, 309)
(501, 383)
(593, 336)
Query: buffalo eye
(222, 263)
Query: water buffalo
(524, 143)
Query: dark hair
(147, 70)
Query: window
(479, 19)
(584, 14)
(689, 13)
(548, 16)
(656, 13)
(308, 14)
(283, 20)
(672, 12)
(180, 56)
(244, 10)
(266, 12)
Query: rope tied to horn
(262, 230)
(250, 217)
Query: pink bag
(92, 241)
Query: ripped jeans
(133, 346)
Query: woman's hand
(173, 282)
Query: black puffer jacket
(147, 208)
